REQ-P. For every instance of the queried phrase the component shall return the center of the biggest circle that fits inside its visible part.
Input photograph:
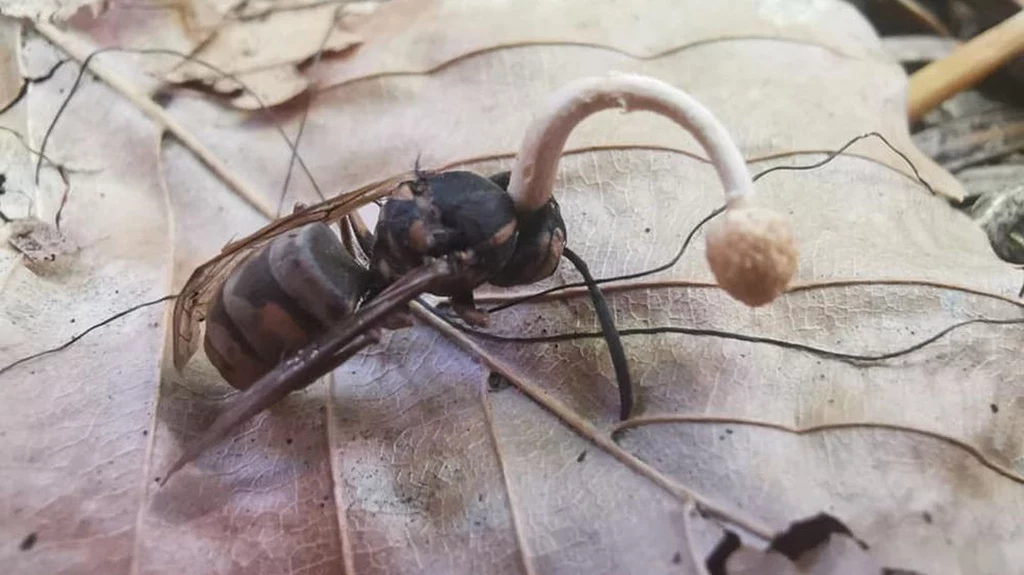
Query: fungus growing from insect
(752, 253)
(750, 249)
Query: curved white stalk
(750, 250)
(533, 176)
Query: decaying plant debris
(976, 134)
(409, 461)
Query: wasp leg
(287, 377)
(348, 240)
(464, 306)
(362, 233)
(502, 179)
(318, 358)
(361, 248)
(397, 320)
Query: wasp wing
(190, 307)
(323, 354)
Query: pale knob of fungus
(752, 253)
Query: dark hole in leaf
(28, 542)
(804, 536)
(496, 381)
(581, 456)
(716, 561)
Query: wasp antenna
(360, 233)
(293, 374)
(611, 335)
(417, 168)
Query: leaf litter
(569, 415)
(639, 421)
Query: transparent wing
(202, 285)
(327, 351)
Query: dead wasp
(290, 302)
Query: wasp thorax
(457, 214)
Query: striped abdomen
(279, 300)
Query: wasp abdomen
(279, 300)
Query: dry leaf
(74, 453)
(406, 462)
(50, 10)
(10, 36)
(237, 43)
(974, 139)
(264, 50)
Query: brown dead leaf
(74, 451)
(10, 88)
(39, 241)
(238, 43)
(264, 58)
(406, 462)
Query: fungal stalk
(750, 249)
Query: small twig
(587, 429)
(267, 391)
(151, 109)
(966, 66)
(159, 115)
(71, 341)
(925, 17)
(305, 115)
(698, 566)
(722, 419)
